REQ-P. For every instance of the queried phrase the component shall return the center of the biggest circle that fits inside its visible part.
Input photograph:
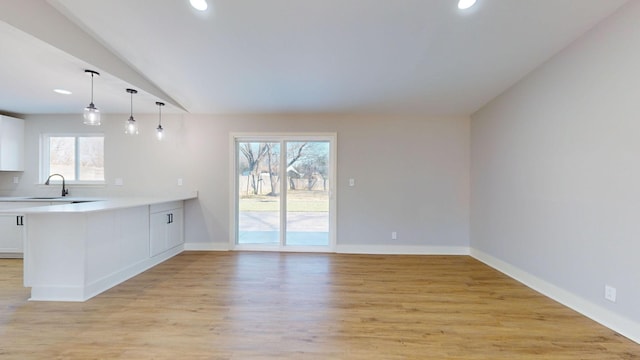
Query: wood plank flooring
(243, 305)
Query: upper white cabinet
(11, 144)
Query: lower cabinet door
(158, 223)
(11, 233)
(175, 233)
(166, 230)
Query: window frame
(282, 138)
(45, 153)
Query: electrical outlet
(179, 181)
(352, 182)
(394, 235)
(610, 293)
(119, 182)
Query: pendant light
(91, 113)
(159, 129)
(131, 128)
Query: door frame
(235, 137)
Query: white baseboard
(402, 250)
(206, 247)
(357, 249)
(613, 321)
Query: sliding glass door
(307, 193)
(283, 197)
(258, 192)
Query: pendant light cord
(160, 105)
(92, 88)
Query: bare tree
(273, 159)
(294, 153)
(253, 160)
(313, 164)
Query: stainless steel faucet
(65, 191)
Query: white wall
(412, 173)
(145, 165)
(411, 176)
(556, 175)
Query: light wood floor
(304, 306)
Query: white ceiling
(281, 56)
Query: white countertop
(61, 199)
(91, 204)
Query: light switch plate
(610, 293)
(119, 182)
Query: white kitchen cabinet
(166, 227)
(121, 236)
(12, 228)
(11, 144)
(11, 235)
(74, 255)
(76, 251)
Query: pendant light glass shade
(159, 129)
(131, 127)
(91, 113)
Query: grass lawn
(297, 201)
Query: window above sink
(78, 157)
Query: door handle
(20, 220)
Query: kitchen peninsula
(75, 251)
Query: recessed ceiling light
(199, 4)
(62, 91)
(465, 4)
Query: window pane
(307, 215)
(91, 153)
(62, 157)
(258, 195)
